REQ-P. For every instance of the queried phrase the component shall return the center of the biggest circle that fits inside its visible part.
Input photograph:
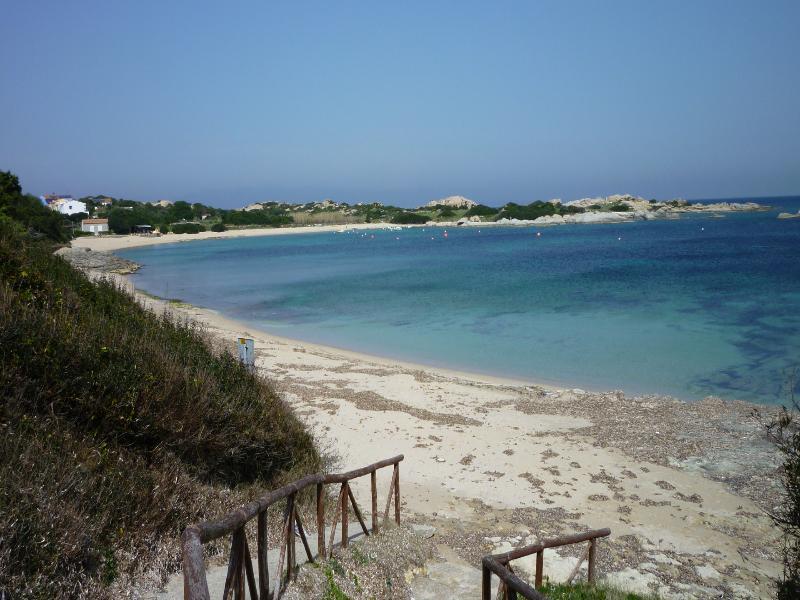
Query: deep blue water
(686, 307)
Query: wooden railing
(240, 564)
(511, 585)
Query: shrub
(409, 218)
(783, 430)
(620, 207)
(187, 228)
(28, 211)
(218, 227)
(480, 210)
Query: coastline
(109, 243)
(494, 463)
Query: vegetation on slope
(784, 431)
(118, 427)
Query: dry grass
(117, 428)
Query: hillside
(119, 426)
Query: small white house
(95, 226)
(69, 206)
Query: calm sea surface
(687, 307)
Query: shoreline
(494, 463)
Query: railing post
(290, 539)
(397, 492)
(263, 550)
(486, 584)
(321, 520)
(373, 479)
(592, 544)
(195, 585)
(539, 569)
(345, 499)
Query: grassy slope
(117, 428)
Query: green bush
(534, 210)
(409, 218)
(118, 427)
(218, 227)
(187, 228)
(270, 217)
(480, 210)
(620, 207)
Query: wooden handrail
(240, 568)
(499, 564)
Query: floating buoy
(619, 238)
(538, 234)
(702, 229)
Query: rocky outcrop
(106, 262)
(453, 202)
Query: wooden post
(374, 483)
(539, 569)
(291, 565)
(592, 545)
(397, 493)
(486, 584)
(263, 566)
(321, 520)
(345, 500)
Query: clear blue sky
(401, 102)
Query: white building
(68, 206)
(95, 226)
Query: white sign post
(247, 353)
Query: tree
(29, 211)
(181, 211)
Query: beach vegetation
(187, 228)
(584, 591)
(619, 207)
(28, 212)
(534, 210)
(218, 227)
(410, 218)
(266, 217)
(118, 427)
(481, 210)
(783, 430)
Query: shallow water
(687, 307)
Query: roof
(94, 222)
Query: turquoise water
(687, 307)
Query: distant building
(95, 226)
(68, 206)
(63, 203)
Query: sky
(401, 102)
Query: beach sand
(493, 463)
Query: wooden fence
(511, 585)
(240, 564)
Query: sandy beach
(107, 243)
(492, 463)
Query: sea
(692, 307)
